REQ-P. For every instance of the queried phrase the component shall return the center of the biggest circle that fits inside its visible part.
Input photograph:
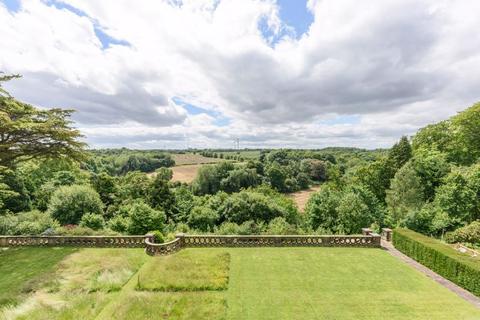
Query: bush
(27, 223)
(157, 236)
(92, 221)
(468, 234)
(118, 223)
(143, 218)
(203, 218)
(443, 259)
(69, 203)
(280, 226)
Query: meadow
(224, 283)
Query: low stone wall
(192, 241)
(196, 241)
(75, 241)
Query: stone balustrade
(194, 241)
(212, 241)
(75, 241)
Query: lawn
(24, 270)
(240, 283)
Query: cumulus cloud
(364, 73)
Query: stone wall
(75, 241)
(192, 241)
(211, 241)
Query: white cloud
(396, 65)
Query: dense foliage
(429, 183)
(443, 259)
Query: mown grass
(335, 283)
(26, 269)
(81, 286)
(261, 283)
(171, 305)
(188, 270)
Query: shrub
(157, 236)
(27, 223)
(203, 218)
(443, 259)
(468, 234)
(143, 218)
(69, 203)
(118, 223)
(92, 221)
(280, 226)
(228, 228)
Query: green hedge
(441, 258)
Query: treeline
(121, 161)
(430, 184)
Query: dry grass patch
(185, 173)
(188, 270)
(81, 285)
(301, 197)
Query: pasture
(228, 283)
(182, 159)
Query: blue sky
(295, 14)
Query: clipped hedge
(441, 258)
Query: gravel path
(462, 293)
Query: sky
(201, 73)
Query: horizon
(191, 74)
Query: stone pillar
(366, 231)
(180, 236)
(376, 240)
(387, 234)
(3, 241)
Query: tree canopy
(27, 132)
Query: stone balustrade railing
(75, 241)
(195, 241)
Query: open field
(246, 154)
(185, 173)
(301, 197)
(233, 283)
(182, 159)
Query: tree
(401, 152)
(456, 137)
(106, 187)
(142, 218)
(431, 167)
(238, 179)
(321, 208)
(207, 180)
(29, 133)
(456, 198)
(161, 197)
(405, 194)
(203, 219)
(377, 176)
(276, 175)
(69, 203)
